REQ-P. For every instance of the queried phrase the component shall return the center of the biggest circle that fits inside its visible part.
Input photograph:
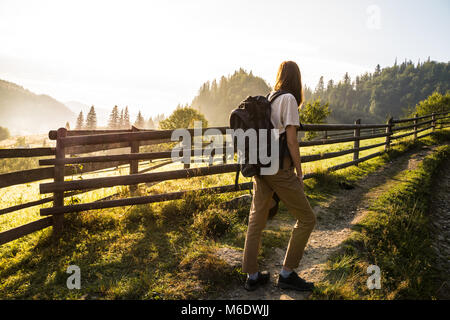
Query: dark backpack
(254, 113)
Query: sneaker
(263, 278)
(294, 282)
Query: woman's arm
(294, 150)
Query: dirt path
(334, 222)
(440, 217)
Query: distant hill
(216, 100)
(24, 112)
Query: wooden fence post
(224, 156)
(433, 124)
(356, 134)
(188, 165)
(134, 164)
(415, 126)
(388, 134)
(58, 197)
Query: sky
(154, 55)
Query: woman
(287, 184)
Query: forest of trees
(392, 91)
(121, 120)
(117, 120)
(215, 100)
(372, 97)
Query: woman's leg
(289, 189)
(259, 211)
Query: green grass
(155, 251)
(395, 236)
(148, 251)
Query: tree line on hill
(117, 120)
(391, 91)
(311, 112)
(371, 97)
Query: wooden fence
(85, 142)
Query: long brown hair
(289, 79)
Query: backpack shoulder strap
(272, 96)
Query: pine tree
(158, 118)
(320, 88)
(140, 121)
(80, 121)
(121, 120)
(377, 70)
(330, 84)
(91, 119)
(347, 79)
(126, 119)
(150, 123)
(67, 126)
(114, 118)
(214, 88)
(307, 93)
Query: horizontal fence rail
(142, 200)
(66, 195)
(350, 133)
(31, 175)
(418, 118)
(75, 150)
(340, 140)
(411, 126)
(88, 142)
(136, 178)
(24, 230)
(26, 152)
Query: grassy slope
(151, 251)
(395, 236)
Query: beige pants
(290, 191)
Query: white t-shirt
(284, 112)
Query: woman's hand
(292, 143)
